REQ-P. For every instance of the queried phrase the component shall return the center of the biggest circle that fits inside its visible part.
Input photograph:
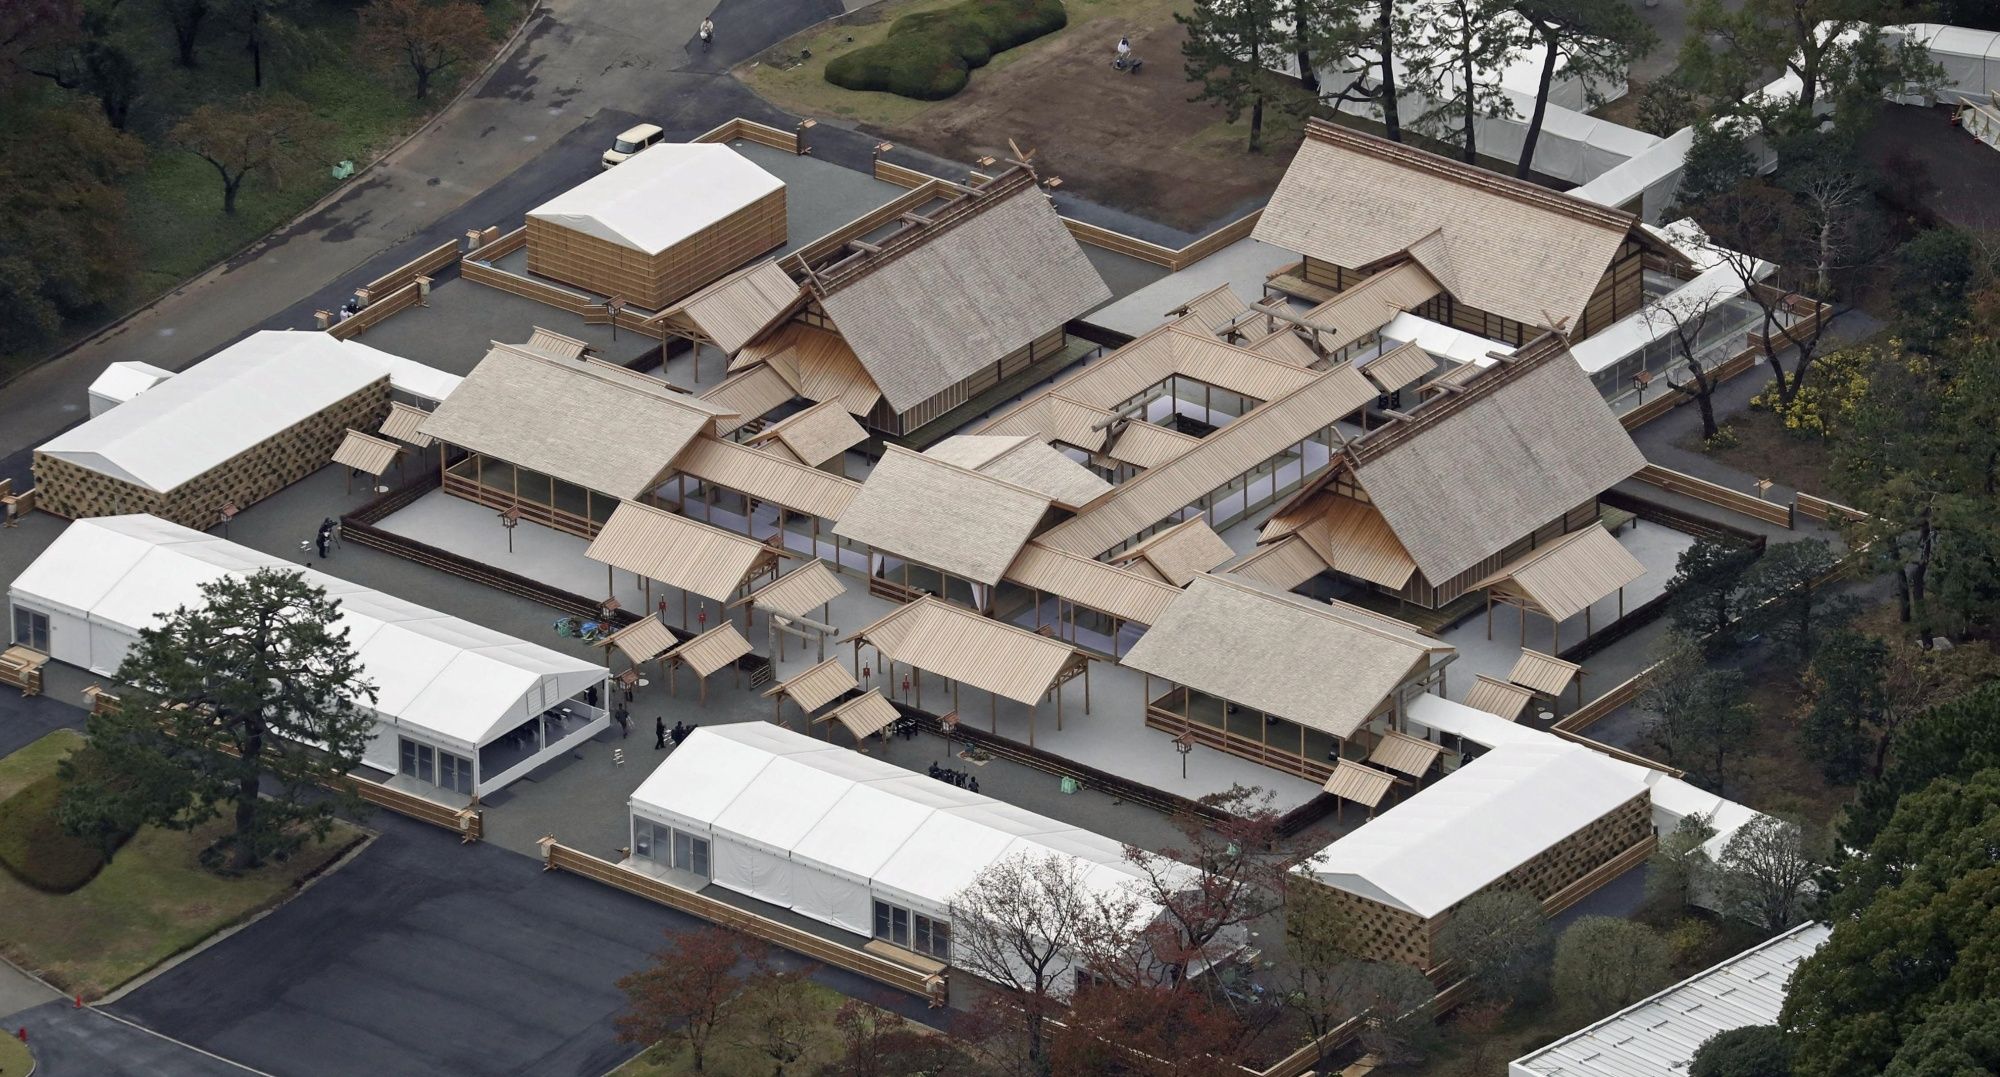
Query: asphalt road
(423, 956)
(85, 1042)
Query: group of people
(679, 733)
(955, 777)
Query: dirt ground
(1765, 449)
(1133, 142)
(1937, 167)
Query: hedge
(35, 849)
(929, 55)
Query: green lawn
(152, 901)
(14, 1057)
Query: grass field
(15, 1059)
(152, 901)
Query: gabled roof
(660, 196)
(739, 306)
(958, 644)
(1324, 665)
(1218, 458)
(586, 422)
(1160, 354)
(1119, 592)
(1347, 535)
(1179, 552)
(1023, 460)
(1476, 471)
(767, 477)
(940, 302)
(950, 518)
(818, 364)
(812, 435)
(1213, 309)
(748, 394)
(687, 554)
(1564, 577)
(1502, 245)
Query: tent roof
(1324, 665)
(1025, 461)
(456, 680)
(583, 421)
(940, 302)
(123, 381)
(1506, 246)
(406, 375)
(1658, 1036)
(956, 643)
(856, 816)
(660, 196)
(1484, 819)
(244, 394)
(675, 550)
(1476, 471)
(950, 518)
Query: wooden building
(1505, 258)
(1536, 817)
(233, 429)
(1429, 507)
(907, 327)
(659, 226)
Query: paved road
(86, 1043)
(424, 957)
(483, 155)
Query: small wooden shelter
(691, 556)
(931, 635)
(704, 654)
(864, 716)
(812, 689)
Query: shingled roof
(1499, 244)
(938, 302)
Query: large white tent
(828, 832)
(663, 195)
(441, 681)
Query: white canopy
(1970, 58)
(457, 683)
(1454, 837)
(1441, 340)
(121, 382)
(661, 196)
(824, 830)
(405, 375)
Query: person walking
(659, 734)
(1124, 53)
(624, 722)
(325, 539)
(707, 32)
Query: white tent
(828, 832)
(1441, 340)
(660, 196)
(237, 398)
(447, 683)
(1970, 58)
(121, 382)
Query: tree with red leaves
(1147, 1032)
(684, 993)
(1222, 875)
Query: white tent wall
(1970, 58)
(490, 783)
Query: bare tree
(777, 1014)
(430, 37)
(1024, 923)
(269, 134)
(1684, 316)
(1219, 877)
(1752, 217)
(1328, 986)
(682, 995)
(1767, 872)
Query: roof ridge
(1531, 356)
(764, 457)
(996, 191)
(1036, 494)
(1328, 610)
(628, 383)
(1326, 131)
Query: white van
(631, 142)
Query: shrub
(35, 849)
(928, 55)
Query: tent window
(690, 853)
(911, 931)
(933, 937)
(419, 761)
(31, 629)
(644, 840)
(455, 773)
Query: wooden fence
(752, 131)
(377, 312)
(1714, 494)
(1617, 696)
(527, 288)
(423, 265)
(1826, 512)
(890, 172)
(560, 857)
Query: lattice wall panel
(249, 476)
(655, 281)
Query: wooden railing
(890, 172)
(1222, 740)
(1826, 512)
(752, 131)
(422, 265)
(1646, 411)
(378, 311)
(1720, 496)
(1620, 754)
(527, 288)
(503, 246)
(559, 857)
(1618, 696)
(1599, 875)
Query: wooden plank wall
(654, 281)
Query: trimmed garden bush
(35, 849)
(928, 55)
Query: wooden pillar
(1086, 686)
(1489, 615)
(993, 712)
